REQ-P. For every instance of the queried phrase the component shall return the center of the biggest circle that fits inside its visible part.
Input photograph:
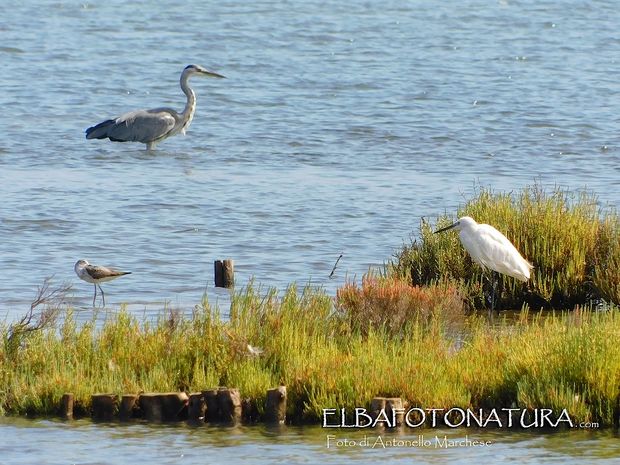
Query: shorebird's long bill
(445, 229)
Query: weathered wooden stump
(104, 406)
(212, 414)
(150, 406)
(165, 406)
(391, 404)
(66, 406)
(128, 407)
(196, 407)
(376, 405)
(275, 408)
(229, 402)
(224, 273)
(175, 406)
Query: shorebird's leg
(95, 296)
(102, 295)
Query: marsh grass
(606, 277)
(319, 351)
(391, 302)
(573, 244)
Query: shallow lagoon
(81, 442)
(336, 129)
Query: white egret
(96, 274)
(491, 249)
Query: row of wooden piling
(219, 405)
(216, 406)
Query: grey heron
(491, 249)
(152, 126)
(96, 274)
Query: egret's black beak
(445, 229)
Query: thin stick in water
(331, 275)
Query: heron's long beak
(445, 229)
(212, 74)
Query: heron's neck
(190, 105)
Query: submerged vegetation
(573, 244)
(403, 334)
(317, 348)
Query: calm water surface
(339, 126)
(337, 129)
(52, 442)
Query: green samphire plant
(377, 338)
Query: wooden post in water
(376, 405)
(174, 405)
(229, 401)
(128, 406)
(163, 406)
(224, 273)
(66, 406)
(150, 406)
(104, 406)
(196, 407)
(212, 414)
(391, 405)
(275, 409)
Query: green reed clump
(606, 277)
(324, 356)
(573, 245)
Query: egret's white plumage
(491, 249)
(96, 274)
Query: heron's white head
(190, 70)
(464, 222)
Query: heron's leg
(102, 295)
(150, 146)
(95, 296)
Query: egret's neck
(190, 106)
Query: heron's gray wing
(142, 126)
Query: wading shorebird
(491, 249)
(152, 126)
(255, 351)
(96, 274)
